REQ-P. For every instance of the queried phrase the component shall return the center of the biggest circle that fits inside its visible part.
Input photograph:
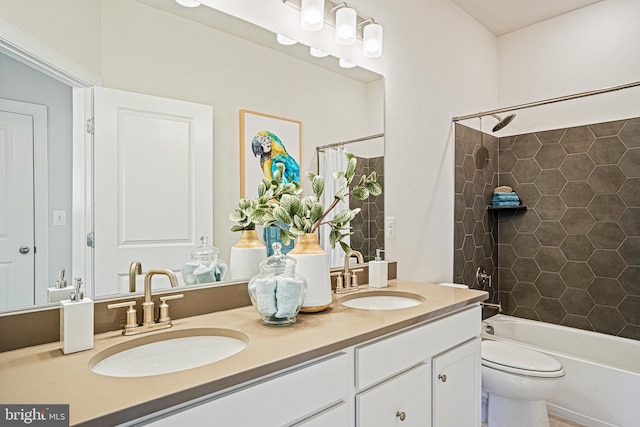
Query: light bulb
(318, 53)
(345, 26)
(345, 63)
(188, 3)
(372, 41)
(312, 15)
(284, 40)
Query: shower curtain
(332, 160)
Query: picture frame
(263, 137)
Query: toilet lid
(519, 360)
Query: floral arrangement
(253, 211)
(306, 215)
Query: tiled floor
(555, 421)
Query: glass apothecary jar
(277, 292)
(205, 266)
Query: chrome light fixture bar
(347, 23)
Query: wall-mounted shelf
(507, 208)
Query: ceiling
(504, 16)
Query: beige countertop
(44, 375)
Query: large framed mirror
(201, 56)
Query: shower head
(502, 122)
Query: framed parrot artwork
(266, 141)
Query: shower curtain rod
(546, 101)
(340, 144)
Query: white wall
(591, 48)
(437, 63)
(22, 83)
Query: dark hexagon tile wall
(475, 232)
(573, 257)
(368, 227)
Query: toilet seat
(519, 360)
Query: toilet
(517, 382)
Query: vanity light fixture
(284, 40)
(346, 25)
(371, 39)
(317, 53)
(312, 15)
(345, 63)
(188, 3)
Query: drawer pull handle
(443, 377)
(401, 415)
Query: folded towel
(506, 203)
(288, 298)
(266, 296)
(503, 189)
(505, 197)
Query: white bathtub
(602, 383)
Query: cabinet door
(456, 386)
(404, 400)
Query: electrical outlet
(390, 227)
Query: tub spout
(497, 306)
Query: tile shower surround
(573, 257)
(370, 221)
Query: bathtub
(602, 382)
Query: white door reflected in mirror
(153, 193)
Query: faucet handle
(164, 307)
(339, 281)
(131, 316)
(354, 277)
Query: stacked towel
(503, 189)
(505, 199)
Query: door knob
(443, 377)
(24, 250)
(401, 415)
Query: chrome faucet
(134, 269)
(149, 323)
(350, 281)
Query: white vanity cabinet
(397, 385)
(395, 380)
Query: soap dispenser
(76, 321)
(378, 271)
(60, 290)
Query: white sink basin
(168, 352)
(382, 300)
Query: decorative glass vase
(313, 265)
(277, 292)
(246, 256)
(205, 266)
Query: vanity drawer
(386, 357)
(273, 402)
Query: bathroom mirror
(203, 56)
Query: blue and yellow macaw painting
(272, 151)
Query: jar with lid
(205, 266)
(277, 293)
